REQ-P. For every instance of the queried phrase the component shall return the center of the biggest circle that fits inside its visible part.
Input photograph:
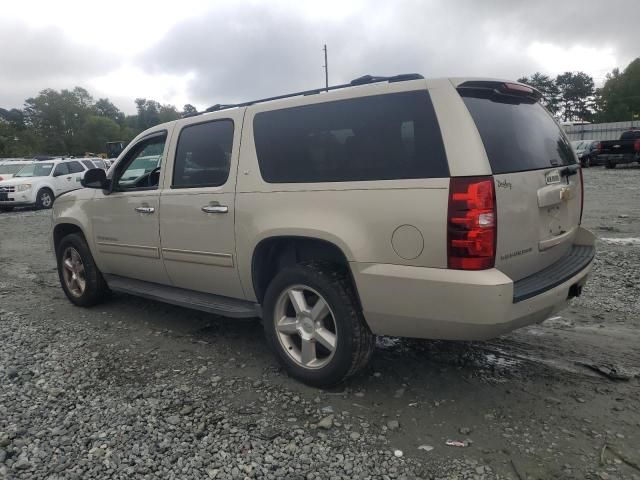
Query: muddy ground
(526, 402)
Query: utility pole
(326, 68)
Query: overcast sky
(208, 52)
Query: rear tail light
(636, 145)
(1, 179)
(581, 195)
(598, 147)
(472, 223)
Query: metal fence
(599, 131)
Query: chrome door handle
(145, 209)
(215, 209)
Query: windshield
(35, 170)
(11, 169)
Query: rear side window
(88, 164)
(75, 167)
(381, 137)
(518, 134)
(203, 155)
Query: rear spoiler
(509, 89)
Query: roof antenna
(326, 69)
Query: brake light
(472, 223)
(516, 87)
(598, 147)
(581, 195)
(1, 179)
(636, 145)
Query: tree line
(572, 96)
(71, 122)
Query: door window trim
(175, 156)
(126, 161)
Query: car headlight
(23, 187)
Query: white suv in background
(39, 183)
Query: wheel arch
(274, 253)
(61, 230)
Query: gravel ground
(137, 389)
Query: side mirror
(95, 178)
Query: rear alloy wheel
(45, 199)
(610, 164)
(313, 321)
(306, 327)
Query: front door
(125, 220)
(197, 206)
(62, 179)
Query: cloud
(233, 51)
(249, 50)
(34, 59)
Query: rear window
(630, 135)
(381, 137)
(518, 134)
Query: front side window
(35, 170)
(141, 167)
(203, 155)
(381, 137)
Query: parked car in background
(624, 150)
(40, 183)
(94, 162)
(11, 166)
(442, 209)
(586, 152)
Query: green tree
(547, 86)
(189, 109)
(619, 98)
(95, 133)
(104, 108)
(576, 100)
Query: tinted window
(518, 134)
(140, 169)
(203, 155)
(382, 137)
(99, 164)
(88, 164)
(61, 169)
(75, 167)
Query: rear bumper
(618, 158)
(407, 301)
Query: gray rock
(173, 420)
(326, 423)
(393, 425)
(22, 464)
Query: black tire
(6, 209)
(610, 164)
(355, 342)
(585, 162)
(96, 289)
(44, 199)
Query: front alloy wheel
(73, 272)
(305, 326)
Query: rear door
(76, 169)
(537, 179)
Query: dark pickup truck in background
(626, 150)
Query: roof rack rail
(364, 80)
